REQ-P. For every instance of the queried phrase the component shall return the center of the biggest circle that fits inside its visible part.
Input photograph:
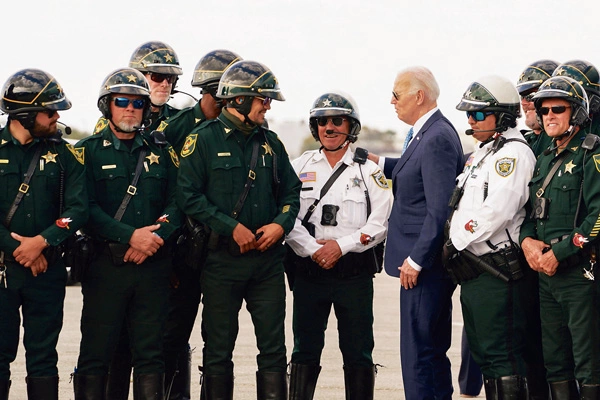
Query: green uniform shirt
(155, 122)
(110, 169)
(564, 193)
(39, 210)
(182, 124)
(538, 143)
(215, 163)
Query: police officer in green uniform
(43, 201)
(236, 178)
(560, 240)
(185, 294)
(160, 65)
(586, 74)
(529, 81)
(131, 179)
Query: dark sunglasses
(337, 121)
(265, 100)
(555, 109)
(528, 97)
(158, 78)
(395, 95)
(49, 113)
(478, 115)
(123, 102)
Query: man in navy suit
(423, 179)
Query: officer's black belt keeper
(348, 266)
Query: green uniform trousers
(570, 311)
(227, 281)
(41, 301)
(136, 295)
(352, 300)
(495, 316)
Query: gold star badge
(153, 158)
(569, 167)
(267, 148)
(50, 157)
(169, 57)
(131, 78)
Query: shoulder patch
(78, 152)
(174, 157)
(596, 158)
(380, 179)
(505, 166)
(100, 125)
(190, 145)
(162, 126)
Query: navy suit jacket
(423, 180)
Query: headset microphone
(472, 131)
(568, 132)
(67, 129)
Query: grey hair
(420, 78)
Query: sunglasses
(528, 97)
(49, 113)
(265, 100)
(478, 115)
(395, 95)
(555, 109)
(158, 78)
(337, 121)
(123, 102)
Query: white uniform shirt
(347, 192)
(505, 176)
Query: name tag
(3, 161)
(224, 154)
(111, 166)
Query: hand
(244, 238)
(373, 157)
(39, 265)
(408, 275)
(145, 241)
(29, 249)
(271, 234)
(134, 256)
(328, 255)
(534, 250)
(548, 263)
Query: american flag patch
(308, 177)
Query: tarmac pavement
(330, 386)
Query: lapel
(416, 141)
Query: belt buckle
(131, 190)
(539, 192)
(23, 188)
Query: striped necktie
(408, 139)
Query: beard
(126, 127)
(43, 131)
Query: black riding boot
(491, 391)
(148, 387)
(564, 390)
(512, 388)
(590, 392)
(42, 388)
(271, 385)
(4, 389)
(303, 381)
(178, 376)
(217, 387)
(89, 387)
(360, 382)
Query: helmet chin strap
(341, 146)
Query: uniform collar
(232, 124)
(110, 140)
(346, 159)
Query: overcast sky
(311, 46)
